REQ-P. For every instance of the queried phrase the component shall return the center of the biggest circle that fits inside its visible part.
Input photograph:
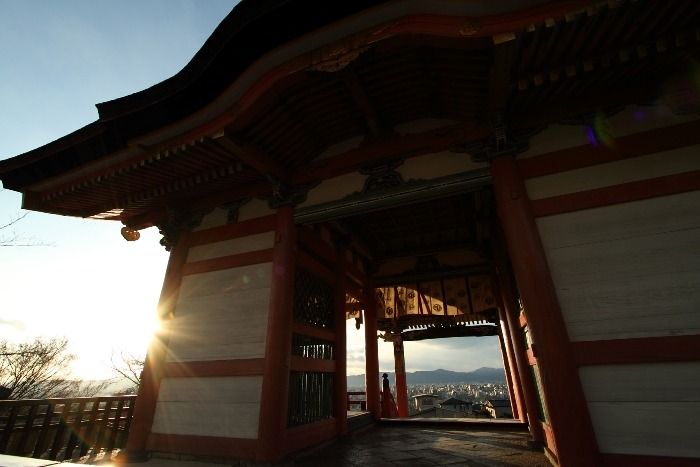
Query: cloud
(16, 324)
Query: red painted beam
(275, 386)
(638, 350)
(563, 394)
(144, 411)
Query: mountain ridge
(441, 376)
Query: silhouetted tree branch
(42, 368)
(129, 366)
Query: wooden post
(565, 401)
(400, 372)
(372, 356)
(144, 411)
(275, 385)
(340, 354)
(511, 313)
(512, 380)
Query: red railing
(353, 401)
(62, 429)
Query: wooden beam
(209, 368)
(228, 262)
(205, 446)
(252, 155)
(499, 79)
(628, 146)
(407, 146)
(638, 350)
(360, 98)
(616, 194)
(275, 386)
(563, 394)
(149, 388)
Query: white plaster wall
(234, 246)
(221, 315)
(660, 164)
(647, 409)
(215, 406)
(633, 119)
(627, 270)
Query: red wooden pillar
(400, 372)
(564, 398)
(372, 355)
(275, 385)
(512, 380)
(341, 379)
(136, 445)
(511, 313)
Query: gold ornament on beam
(130, 235)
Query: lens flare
(598, 132)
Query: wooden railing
(63, 429)
(354, 402)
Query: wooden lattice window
(310, 397)
(313, 300)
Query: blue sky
(59, 59)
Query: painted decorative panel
(629, 270)
(217, 406)
(645, 409)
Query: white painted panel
(220, 327)
(226, 281)
(645, 409)
(621, 221)
(335, 188)
(633, 119)
(215, 218)
(437, 165)
(238, 389)
(647, 429)
(234, 246)
(630, 270)
(614, 173)
(226, 407)
(642, 382)
(254, 209)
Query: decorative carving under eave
(178, 221)
(334, 64)
(498, 145)
(284, 194)
(233, 208)
(382, 176)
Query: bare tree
(128, 366)
(9, 236)
(42, 368)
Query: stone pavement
(389, 443)
(426, 445)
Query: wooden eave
(535, 66)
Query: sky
(59, 59)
